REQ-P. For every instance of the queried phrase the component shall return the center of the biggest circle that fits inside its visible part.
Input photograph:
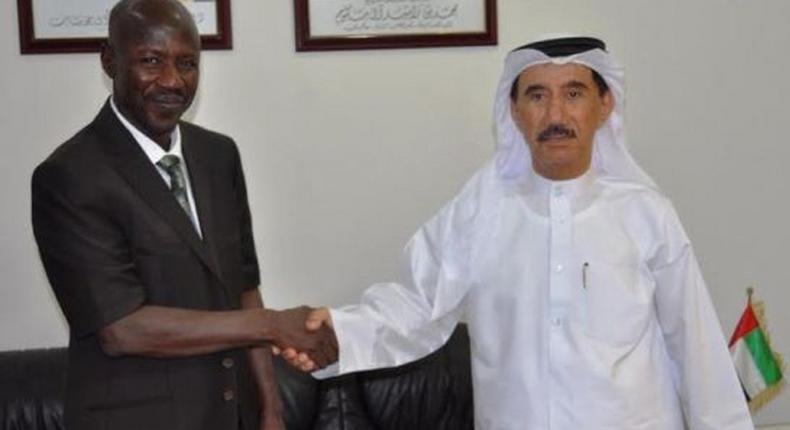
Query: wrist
(266, 325)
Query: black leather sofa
(433, 393)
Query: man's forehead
(556, 73)
(159, 37)
(162, 33)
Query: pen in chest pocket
(584, 274)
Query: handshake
(303, 336)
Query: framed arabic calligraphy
(368, 24)
(66, 26)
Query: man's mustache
(168, 97)
(555, 131)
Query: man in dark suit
(144, 230)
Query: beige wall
(346, 153)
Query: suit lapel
(131, 162)
(196, 156)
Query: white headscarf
(610, 159)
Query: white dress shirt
(585, 306)
(154, 152)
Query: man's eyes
(188, 64)
(536, 96)
(156, 61)
(539, 96)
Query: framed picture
(367, 24)
(51, 26)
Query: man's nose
(556, 110)
(170, 76)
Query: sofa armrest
(433, 393)
(32, 385)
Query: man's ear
(607, 102)
(514, 114)
(108, 60)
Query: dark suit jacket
(113, 238)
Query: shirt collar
(570, 187)
(580, 191)
(152, 150)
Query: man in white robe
(585, 305)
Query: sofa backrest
(433, 393)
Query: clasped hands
(304, 337)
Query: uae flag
(757, 366)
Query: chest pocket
(615, 304)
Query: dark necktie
(172, 165)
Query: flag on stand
(758, 367)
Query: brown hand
(318, 319)
(291, 334)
